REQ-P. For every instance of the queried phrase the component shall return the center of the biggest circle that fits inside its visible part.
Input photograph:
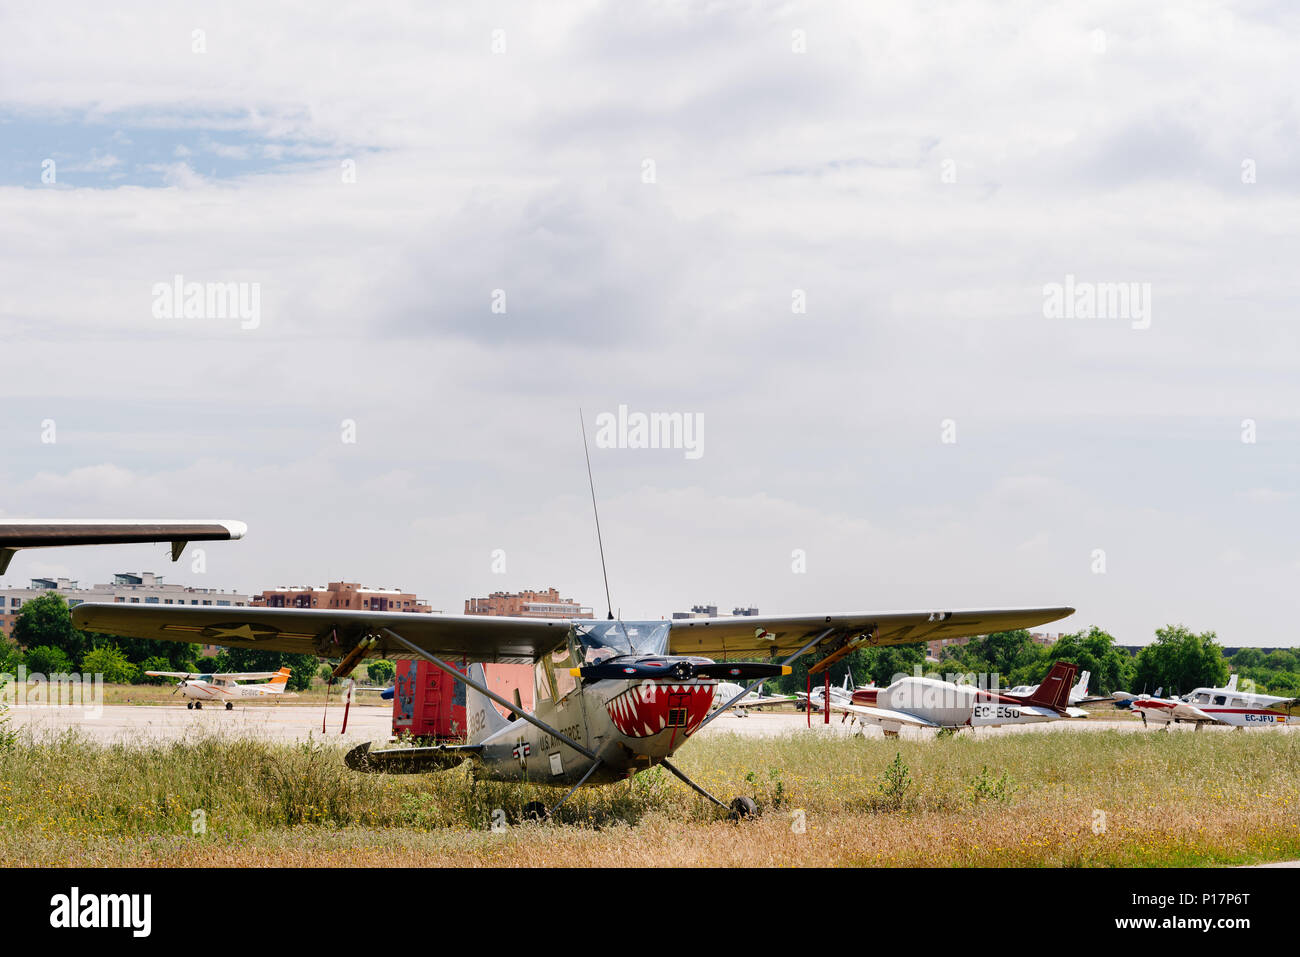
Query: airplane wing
(766, 701)
(330, 633)
(245, 676)
(884, 716)
(172, 674)
(758, 636)
(1186, 712)
(52, 532)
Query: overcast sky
(651, 190)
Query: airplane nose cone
(656, 718)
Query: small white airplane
(756, 699)
(1078, 694)
(817, 697)
(1227, 705)
(930, 703)
(226, 687)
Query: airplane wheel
(742, 808)
(535, 811)
(198, 706)
(189, 706)
(230, 706)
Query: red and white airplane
(1227, 705)
(930, 703)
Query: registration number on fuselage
(988, 712)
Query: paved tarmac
(154, 723)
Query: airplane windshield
(603, 640)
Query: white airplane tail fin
(1080, 691)
(480, 713)
(1232, 683)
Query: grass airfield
(1076, 795)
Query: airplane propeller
(680, 670)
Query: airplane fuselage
(630, 725)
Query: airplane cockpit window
(603, 640)
(1201, 699)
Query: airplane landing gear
(189, 705)
(230, 706)
(741, 809)
(198, 706)
(535, 811)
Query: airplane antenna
(609, 604)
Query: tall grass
(1069, 797)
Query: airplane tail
(1054, 692)
(1232, 683)
(1080, 691)
(281, 680)
(480, 713)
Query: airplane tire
(230, 706)
(198, 706)
(741, 809)
(535, 811)
(189, 705)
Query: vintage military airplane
(226, 687)
(919, 702)
(21, 533)
(611, 697)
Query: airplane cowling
(642, 711)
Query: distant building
(136, 588)
(341, 595)
(527, 604)
(505, 679)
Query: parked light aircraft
(226, 687)
(21, 533)
(1227, 705)
(611, 697)
(1078, 694)
(816, 699)
(727, 690)
(919, 702)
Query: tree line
(1177, 661)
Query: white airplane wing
(884, 716)
(1049, 713)
(244, 676)
(172, 674)
(1186, 712)
(50, 532)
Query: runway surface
(152, 724)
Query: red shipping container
(428, 703)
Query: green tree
(48, 660)
(302, 667)
(155, 664)
(381, 671)
(1093, 650)
(1011, 655)
(1179, 661)
(11, 656)
(47, 621)
(109, 661)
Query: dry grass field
(1088, 798)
